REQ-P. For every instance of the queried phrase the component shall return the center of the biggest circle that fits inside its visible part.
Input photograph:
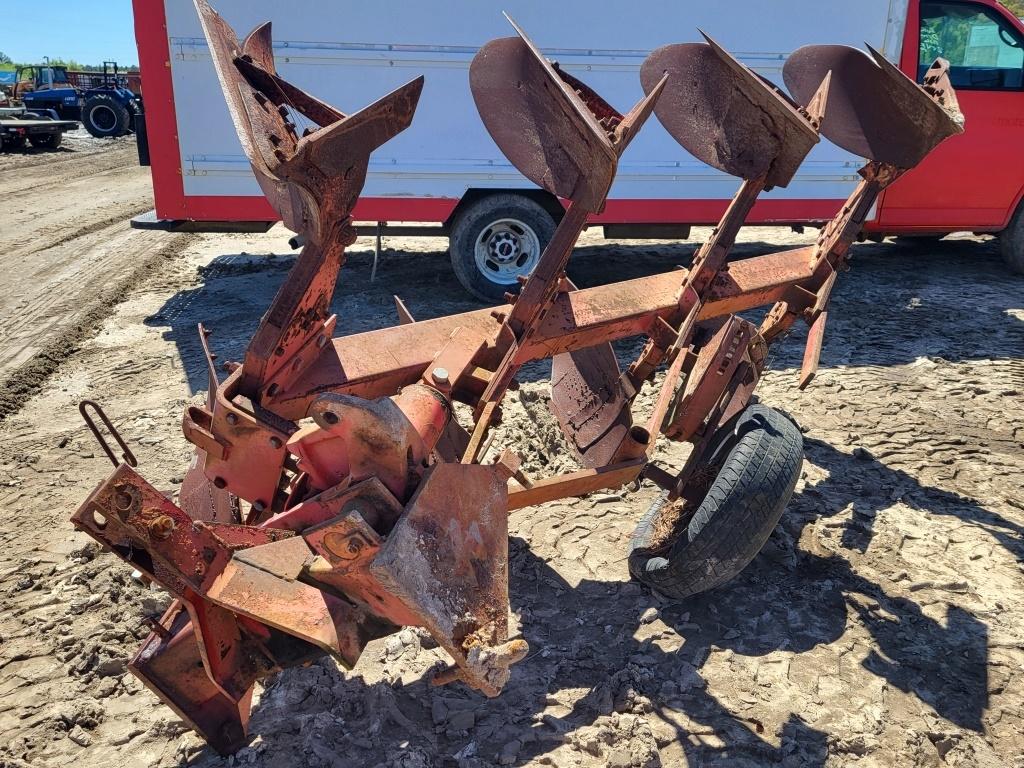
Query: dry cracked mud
(881, 626)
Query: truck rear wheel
(752, 468)
(1011, 242)
(104, 117)
(497, 239)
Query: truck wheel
(752, 469)
(495, 240)
(104, 117)
(1011, 242)
(47, 141)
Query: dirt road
(68, 251)
(882, 626)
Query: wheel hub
(104, 117)
(506, 250)
(505, 247)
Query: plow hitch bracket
(335, 494)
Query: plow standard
(335, 495)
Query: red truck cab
(973, 182)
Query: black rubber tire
(96, 108)
(1011, 242)
(757, 460)
(473, 221)
(47, 141)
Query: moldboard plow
(334, 496)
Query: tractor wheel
(48, 141)
(496, 240)
(104, 117)
(752, 468)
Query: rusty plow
(335, 496)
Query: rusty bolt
(343, 546)
(232, 419)
(161, 527)
(200, 568)
(440, 376)
(275, 441)
(220, 482)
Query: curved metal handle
(127, 455)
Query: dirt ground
(882, 625)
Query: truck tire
(1011, 242)
(104, 117)
(496, 239)
(47, 141)
(752, 469)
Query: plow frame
(368, 505)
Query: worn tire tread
(736, 517)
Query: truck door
(971, 181)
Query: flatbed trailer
(18, 126)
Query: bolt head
(439, 375)
(161, 527)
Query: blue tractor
(104, 105)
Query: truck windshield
(985, 52)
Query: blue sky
(88, 31)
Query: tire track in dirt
(33, 173)
(63, 315)
(44, 208)
(69, 253)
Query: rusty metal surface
(458, 585)
(262, 584)
(201, 499)
(710, 378)
(725, 115)
(590, 402)
(874, 110)
(374, 363)
(169, 664)
(541, 124)
(390, 438)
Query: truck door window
(984, 51)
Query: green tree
(1016, 6)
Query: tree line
(9, 65)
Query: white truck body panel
(351, 53)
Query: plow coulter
(334, 496)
